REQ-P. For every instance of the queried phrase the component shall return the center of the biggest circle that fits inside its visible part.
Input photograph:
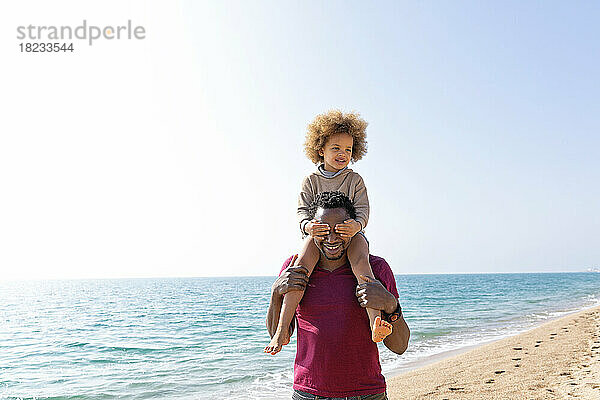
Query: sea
(202, 338)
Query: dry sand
(557, 360)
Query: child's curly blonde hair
(330, 123)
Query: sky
(181, 154)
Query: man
(336, 357)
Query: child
(332, 141)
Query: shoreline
(433, 358)
(557, 359)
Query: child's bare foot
(381, 329)
(278, 340)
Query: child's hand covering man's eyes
(315, 229)
(349, 228)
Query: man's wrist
(392, 306)
(394, 315)
(275, 295)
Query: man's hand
(373, 294)
(349, 228)
(315, 229)
(292, 278)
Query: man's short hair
(328, 200)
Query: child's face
(337, 152)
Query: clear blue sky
(484, 133)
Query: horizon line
(275, 276)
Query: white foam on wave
(270, 386)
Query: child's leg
(358, 255)
(308, 259)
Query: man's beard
(334, 258)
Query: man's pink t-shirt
(335, 354)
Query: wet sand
(557, 360)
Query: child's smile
(337, 152)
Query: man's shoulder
(379, 266)
(383, 272)
(286, 264)
(379, 261)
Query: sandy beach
(557, 360)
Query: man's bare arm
(397, 341)
(374, 295)
(292, 278)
